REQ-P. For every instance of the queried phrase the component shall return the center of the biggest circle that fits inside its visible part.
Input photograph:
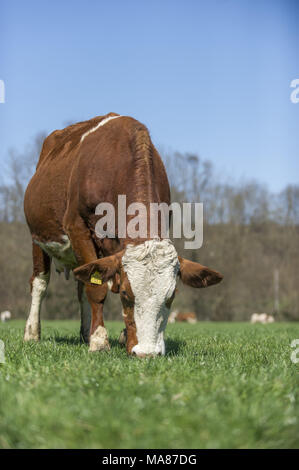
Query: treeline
(250, 235)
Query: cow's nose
(144, 355)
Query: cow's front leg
(131, 335)
(96, 296)
(84, 249)
(39, 282)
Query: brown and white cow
(176, 316)
(79, 167)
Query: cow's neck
(143, 190)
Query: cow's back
(46, 195)
(83, 165)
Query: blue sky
(211, 77)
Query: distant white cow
(5, 316)
(263, 318)
(270, 319)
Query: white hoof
(31, 333)
(99, 340)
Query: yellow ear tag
(96, 278)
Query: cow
(80, 166)
(263, 318)
(176, 316)
(5, 316)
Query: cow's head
(148, 275)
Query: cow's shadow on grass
(174, 347)
(115, 344)
(66, 339)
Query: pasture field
(221, 385)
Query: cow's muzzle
(141, 352)
(144, 355)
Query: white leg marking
(39, 287)
(99, 340)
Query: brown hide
(73, 178)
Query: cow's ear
(99, 271)
(197, 275)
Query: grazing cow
(79, 167)
(5, 316)
(263, 318)
(176, 316)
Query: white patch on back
(100, 124)
(61, 253)
(152, 268)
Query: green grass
(220, 385)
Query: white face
(152, 269)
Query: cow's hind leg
(122, 339)
(85, 313)
(39, 282)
